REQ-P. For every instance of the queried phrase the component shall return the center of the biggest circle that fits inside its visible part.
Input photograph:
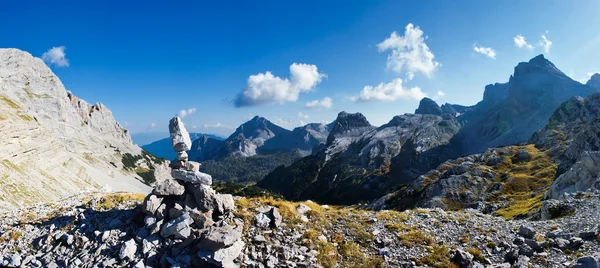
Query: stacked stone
(188, 223)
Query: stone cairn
(192, 224)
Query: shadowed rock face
(55, 143)
(510, 113)
(428, 106)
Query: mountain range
(360, 162)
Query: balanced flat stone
(180, 138)
(191, 176)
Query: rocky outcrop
(428, 106)
(571, 138)
(55, 143)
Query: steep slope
(510, 113)
(54, 143)
(360, 162)
(162, 148)
(572, 139)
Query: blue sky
(149, 60)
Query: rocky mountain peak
(348, 124)
(428, 106)
(537, 64)
(594, 81)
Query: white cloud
(302, 115)
(325, 103)
(217, 125)
(153, 125)
(56, 56)
(283, 121)
(488, 51)
(302, 123)
(265, 88)
(520, 42)
(184, 113)
(409, 52)
(389, 92)
(545, 43)
(592, 73)
(410, 75)
(440, 94)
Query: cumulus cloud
(487, 51)
(410, 75)
(265, 88)
(520, 42)
(302, 115)
(409, 52)
(389, 92)
(283, 121)
(217, 125)
(184, 113)
(302, 123)
(325, 103)
(56, 56)
(440, 94)
(545, 43)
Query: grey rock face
(169, 187)
(191, 176)
(151, 204)
(178, 228)
(180, 138)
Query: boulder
(223, 257)
(180, 138)
(262, 220)
(151, 204)
(128, 249)
(553, 208)
(191, 176)
(526, 231)
(178, 228)
(168, 187)
(462, 258)
(276, 218)
(302, 208)
(202, 219)
(220, 237)
(586, 262)
(224, 203)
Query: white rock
(128, 250)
